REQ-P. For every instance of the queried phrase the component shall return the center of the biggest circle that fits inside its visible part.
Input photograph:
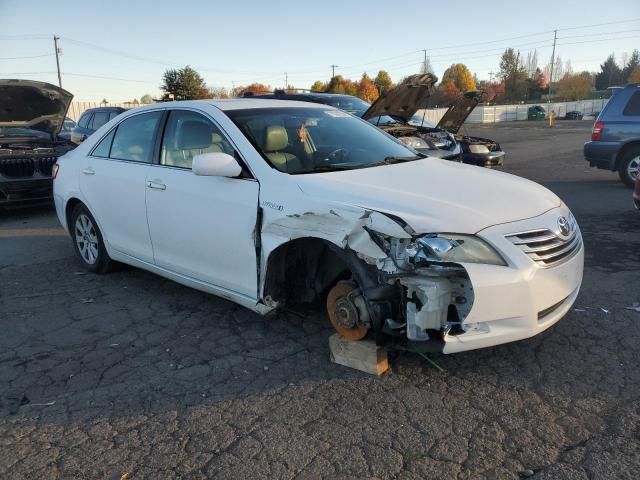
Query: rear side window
(84, 120)
(99, 119)
(103, 148)
(133, 139)
(113, 115)
(633, 105)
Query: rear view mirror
(215, 164)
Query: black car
(31, 117)
(573, 115)
(395, 113)
(91, 120)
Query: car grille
(547, 248)
(26, 167)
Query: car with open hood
(31, 117)
(270, 203)
(396, 113)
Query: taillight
(596, 132)
(54, 170)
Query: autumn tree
(383, 82)
(367, 90)
(146, 99)
(537, 85)
(461, 77)
(339, 84)
(492, 90)
(252, 88)
(318, 86)
(575, 87)
(184, 84)
(634, 76)
(609, 75)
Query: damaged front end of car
(377, 276)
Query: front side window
(188, 134)
(99, 119)
(133, 139)
(305, 140)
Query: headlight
(477, 148)
(414, 142)
(451, 247)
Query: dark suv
(91, 120)
(615, 138)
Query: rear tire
(88, 242)
(629, 167)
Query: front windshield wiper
(392, 160)
(321, 168)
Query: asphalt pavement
(131, 374)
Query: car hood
(405, 99)
(453, 118)
(434, 195)
(35, 105)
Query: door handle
(156, 185)
(89, 171)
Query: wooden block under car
(363, 355)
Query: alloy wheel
(634, 167)
(86, 239)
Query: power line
(27, 56)
(600, 40)
(598, 34)
(601, 24)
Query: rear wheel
(348, 311)
(88, 243)
(629, 167)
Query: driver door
(201, 227)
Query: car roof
(236, 104)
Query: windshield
(419, 121)
(22, 132)
(349, 104)
(306, 140)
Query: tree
(218, 92)
(450, 91)
(634, 76)
(318, 86)
(146, 99)
(492, 90)
(184, 84)
(537, 85)
(531, 65)
(367, 90)
(513, 76)
(610, 74)
(339, 84)
(630, 65)
(383, 82)
(575, 87)
(253, 88)
(459, 74)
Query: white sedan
(268, 203)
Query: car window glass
(102, 149)
(84, 120)
(113, 115)
(133, 139)
(99, 119)
(188, 134)
(633, 106)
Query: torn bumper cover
(454, 306)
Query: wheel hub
(347, 311)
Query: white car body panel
(204, 231)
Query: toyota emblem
(563, 224)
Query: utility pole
(553, 56)
(333, 70)
(58, 51)
(286, 81)
(424, 65)
(491, 77)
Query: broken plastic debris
(604, 310)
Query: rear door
(112, 180)
(201, 227)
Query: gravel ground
(131, 373)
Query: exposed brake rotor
(347, 311)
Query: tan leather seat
(193, 138)
(275, 141)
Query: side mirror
(215, 164)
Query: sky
(119, 50)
